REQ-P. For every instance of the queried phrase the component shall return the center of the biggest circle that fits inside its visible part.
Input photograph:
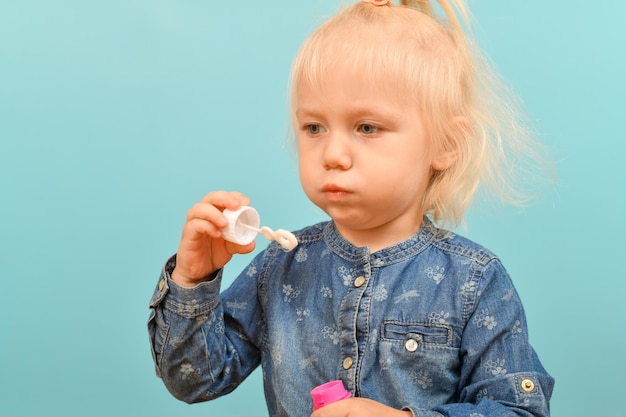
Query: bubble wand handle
(243, 226)
(283, 237)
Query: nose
(337, 152)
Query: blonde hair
(466, 108)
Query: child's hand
(202, 249)
(359, 407)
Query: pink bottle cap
(328, 393)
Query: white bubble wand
(244, 224)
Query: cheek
(307, 183)
(304, 171)
(309, 176)
(306, 160)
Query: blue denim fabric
(432, 325)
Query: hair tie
(379, 2)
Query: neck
(380, 237)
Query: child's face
(363, 156)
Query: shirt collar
(389, 255)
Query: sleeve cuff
(187, 302)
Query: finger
(197, 226)
(226, 199)
(207, 212)
(234, 248)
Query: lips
(334, 192)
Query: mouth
(334, 192)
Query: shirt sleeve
(501, 374)
(200, 351)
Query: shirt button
(347, 363)
(528, 385)
(162, 284)
(411, 345)
(359, 281)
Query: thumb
(234, 248)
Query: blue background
(116, 116)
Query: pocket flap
(437, 334)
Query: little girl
(397, 124)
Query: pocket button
(411, 345)
(528, 385)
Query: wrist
(182, 280)
(186, 282)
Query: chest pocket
(415, 334)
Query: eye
(313, 129)
(368, 129)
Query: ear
(456, 132)
(444, 160)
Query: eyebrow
(352, 110)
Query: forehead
(354, 69)
(379, 58)
(351, 85)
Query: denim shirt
(432, 325)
